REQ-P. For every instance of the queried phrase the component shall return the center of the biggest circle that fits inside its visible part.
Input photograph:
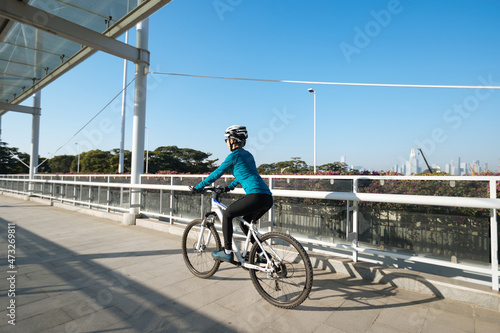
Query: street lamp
(78, 150)
(312, 91)
(147, 149)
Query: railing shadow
(361, 292)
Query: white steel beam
(144, 10)
(39, 19)
(19, 108)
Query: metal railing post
(121, 197)
(74, 191)
(52, 187)
(90, 191)
(171, 201)
(98, 195)
(348, 220)
(494, 238)
(160, 206)
(271, 211)
(355, 222)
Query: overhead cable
(81, 129)
(335, 83)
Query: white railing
(99, 194)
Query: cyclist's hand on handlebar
(194, 190)
(220, 189)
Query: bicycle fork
(200, 244)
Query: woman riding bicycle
(258, 199)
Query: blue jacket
(242, 165)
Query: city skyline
(454, 167)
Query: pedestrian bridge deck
(79, 273)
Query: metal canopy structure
(40, 40)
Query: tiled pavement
(77, 273)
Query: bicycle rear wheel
(199, 261)
(291, 281)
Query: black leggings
(251, 207)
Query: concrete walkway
(77, 273)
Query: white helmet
(237, 132)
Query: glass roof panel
(27, 53)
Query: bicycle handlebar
(217, 190)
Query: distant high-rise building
(455, 168)
(464, 167)
(342, 159)
(447, 168)
(413, 162)
(475, 168)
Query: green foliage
(93, 161)
(180, 160)
(298, 167)
(115, 160)
(334, 167)
(61, 163)
(267, 169)
(10, 160)
(161, 160)
(294, 166)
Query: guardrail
(112, 192)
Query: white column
(35, 135)
(139, 121)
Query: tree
(267, 169)
(115, 160)
(22, 163)
(13, 161)
(94, 161)
(333, 167)
(61, 164)
(8, 160)
(295, 165)
(181, 160)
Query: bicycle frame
(217, 209)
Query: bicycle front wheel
(198, 257)
(291, 280)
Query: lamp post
(78, 151)
(147, 149)
(312, 91)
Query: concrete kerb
(440, 287)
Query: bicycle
(279, 267)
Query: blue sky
(447, 42)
